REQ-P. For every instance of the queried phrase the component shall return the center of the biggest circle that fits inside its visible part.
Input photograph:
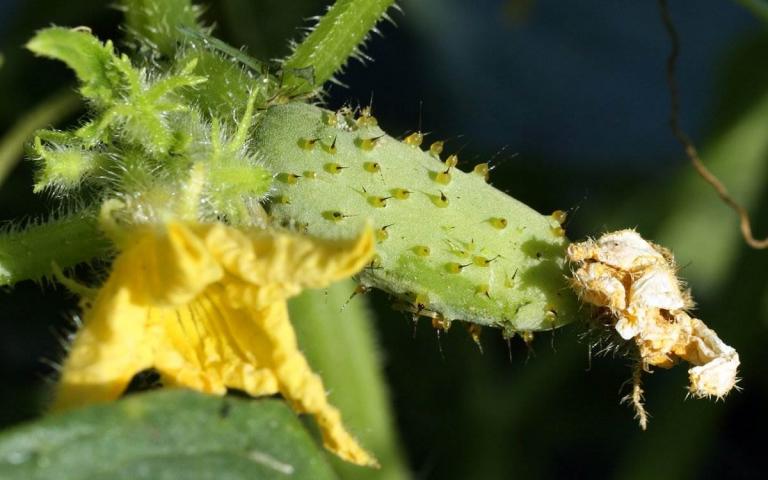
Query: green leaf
(167, 434)
(91, 60)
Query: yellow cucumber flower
(205, 305)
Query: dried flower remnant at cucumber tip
(635, 282)
(431, 215)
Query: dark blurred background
(569, 103)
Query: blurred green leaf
(166, 434)
(50, 111)
(701, 230)
(758, 8)
(337, 336)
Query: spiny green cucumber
(450, 246)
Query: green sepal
(92, 61)
(62, 163)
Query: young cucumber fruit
(450, 246)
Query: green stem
(28, 254)
(336, 37)
(340, 346)
(759, 8)
(50, 111)
(161, 23)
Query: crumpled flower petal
(637, 282)
(205, 305)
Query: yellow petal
(209, 346)
(118, 334)
(288, 262)
(109, 349)
(205, 305)
(171, 266)
(303, 388)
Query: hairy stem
(29, 253)
(334, 39)
(160, 23)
